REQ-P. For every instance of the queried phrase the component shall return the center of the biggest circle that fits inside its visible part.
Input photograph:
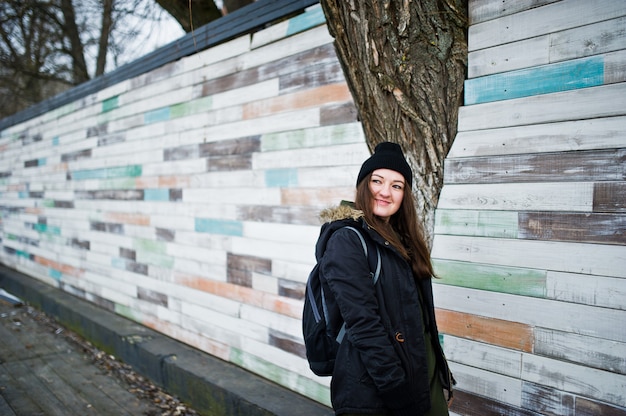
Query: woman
(390, 361)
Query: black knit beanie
(387, 155)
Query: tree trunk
(191, 14)
(105, 31)
(79, 65)
(405, 63)
(232, 5)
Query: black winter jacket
(381, 364)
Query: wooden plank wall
(530, 237)
(186, 198)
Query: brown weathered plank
(567, 226)
(294, 63)
(240, 268)
(226, 163)
(313, 76)
(493, 331)
(338, 114)
(585, 407)
(547, 401)
(302, 215)
(592, 165)
(468, 404)
(239, 146)
(609, 197)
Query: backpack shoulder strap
(374, 273)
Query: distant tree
(47, 46)
(405, 63)
(191, 14)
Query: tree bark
(232, 5)
(105, 32)
(191, 14)
(79, 65)
(405, 62)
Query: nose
(385, 190)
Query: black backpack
(320, 339)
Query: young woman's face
(387, 189)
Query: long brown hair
(403, 230)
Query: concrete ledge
(210, 385)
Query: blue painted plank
(214, 226)
(156, 194)
(545, 79)
(154, 116)
(281, 178)
(311, 18)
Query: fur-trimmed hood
(343, 211)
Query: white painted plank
(300, 253)
(176, 167)
(551, 18)
(240, 196)
(221, 52)
(282, 233)
(210, 271)
(615, 67)
(482, 10)
(200, 254)
(291, 120)
(592, 259)
(289, 270)
(586, 103)
(536, 196)
(590, 352)
(608, 292)
(566, 317)
(597, 384)
(485, 383)
(247, 94)
(227, 179)
(599, 133)
(594, 39)
(481, 355)
(508, 57)
(347, 154)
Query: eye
(398, 186)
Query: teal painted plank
(213, 226)
(49, 229)
(110, 104)
(106, 173)
(316, 137)
(55, 274)
(154, 116)
(156, 194)
(55, 141)
(118, 263)
(513, 280)
(281, 178)
(300, 23)
(42, 161)
(545, 79)
(191, 107)
(499, 224)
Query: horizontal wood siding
(187, 197)
(530, 234)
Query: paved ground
(47, 370)
(43, 371)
